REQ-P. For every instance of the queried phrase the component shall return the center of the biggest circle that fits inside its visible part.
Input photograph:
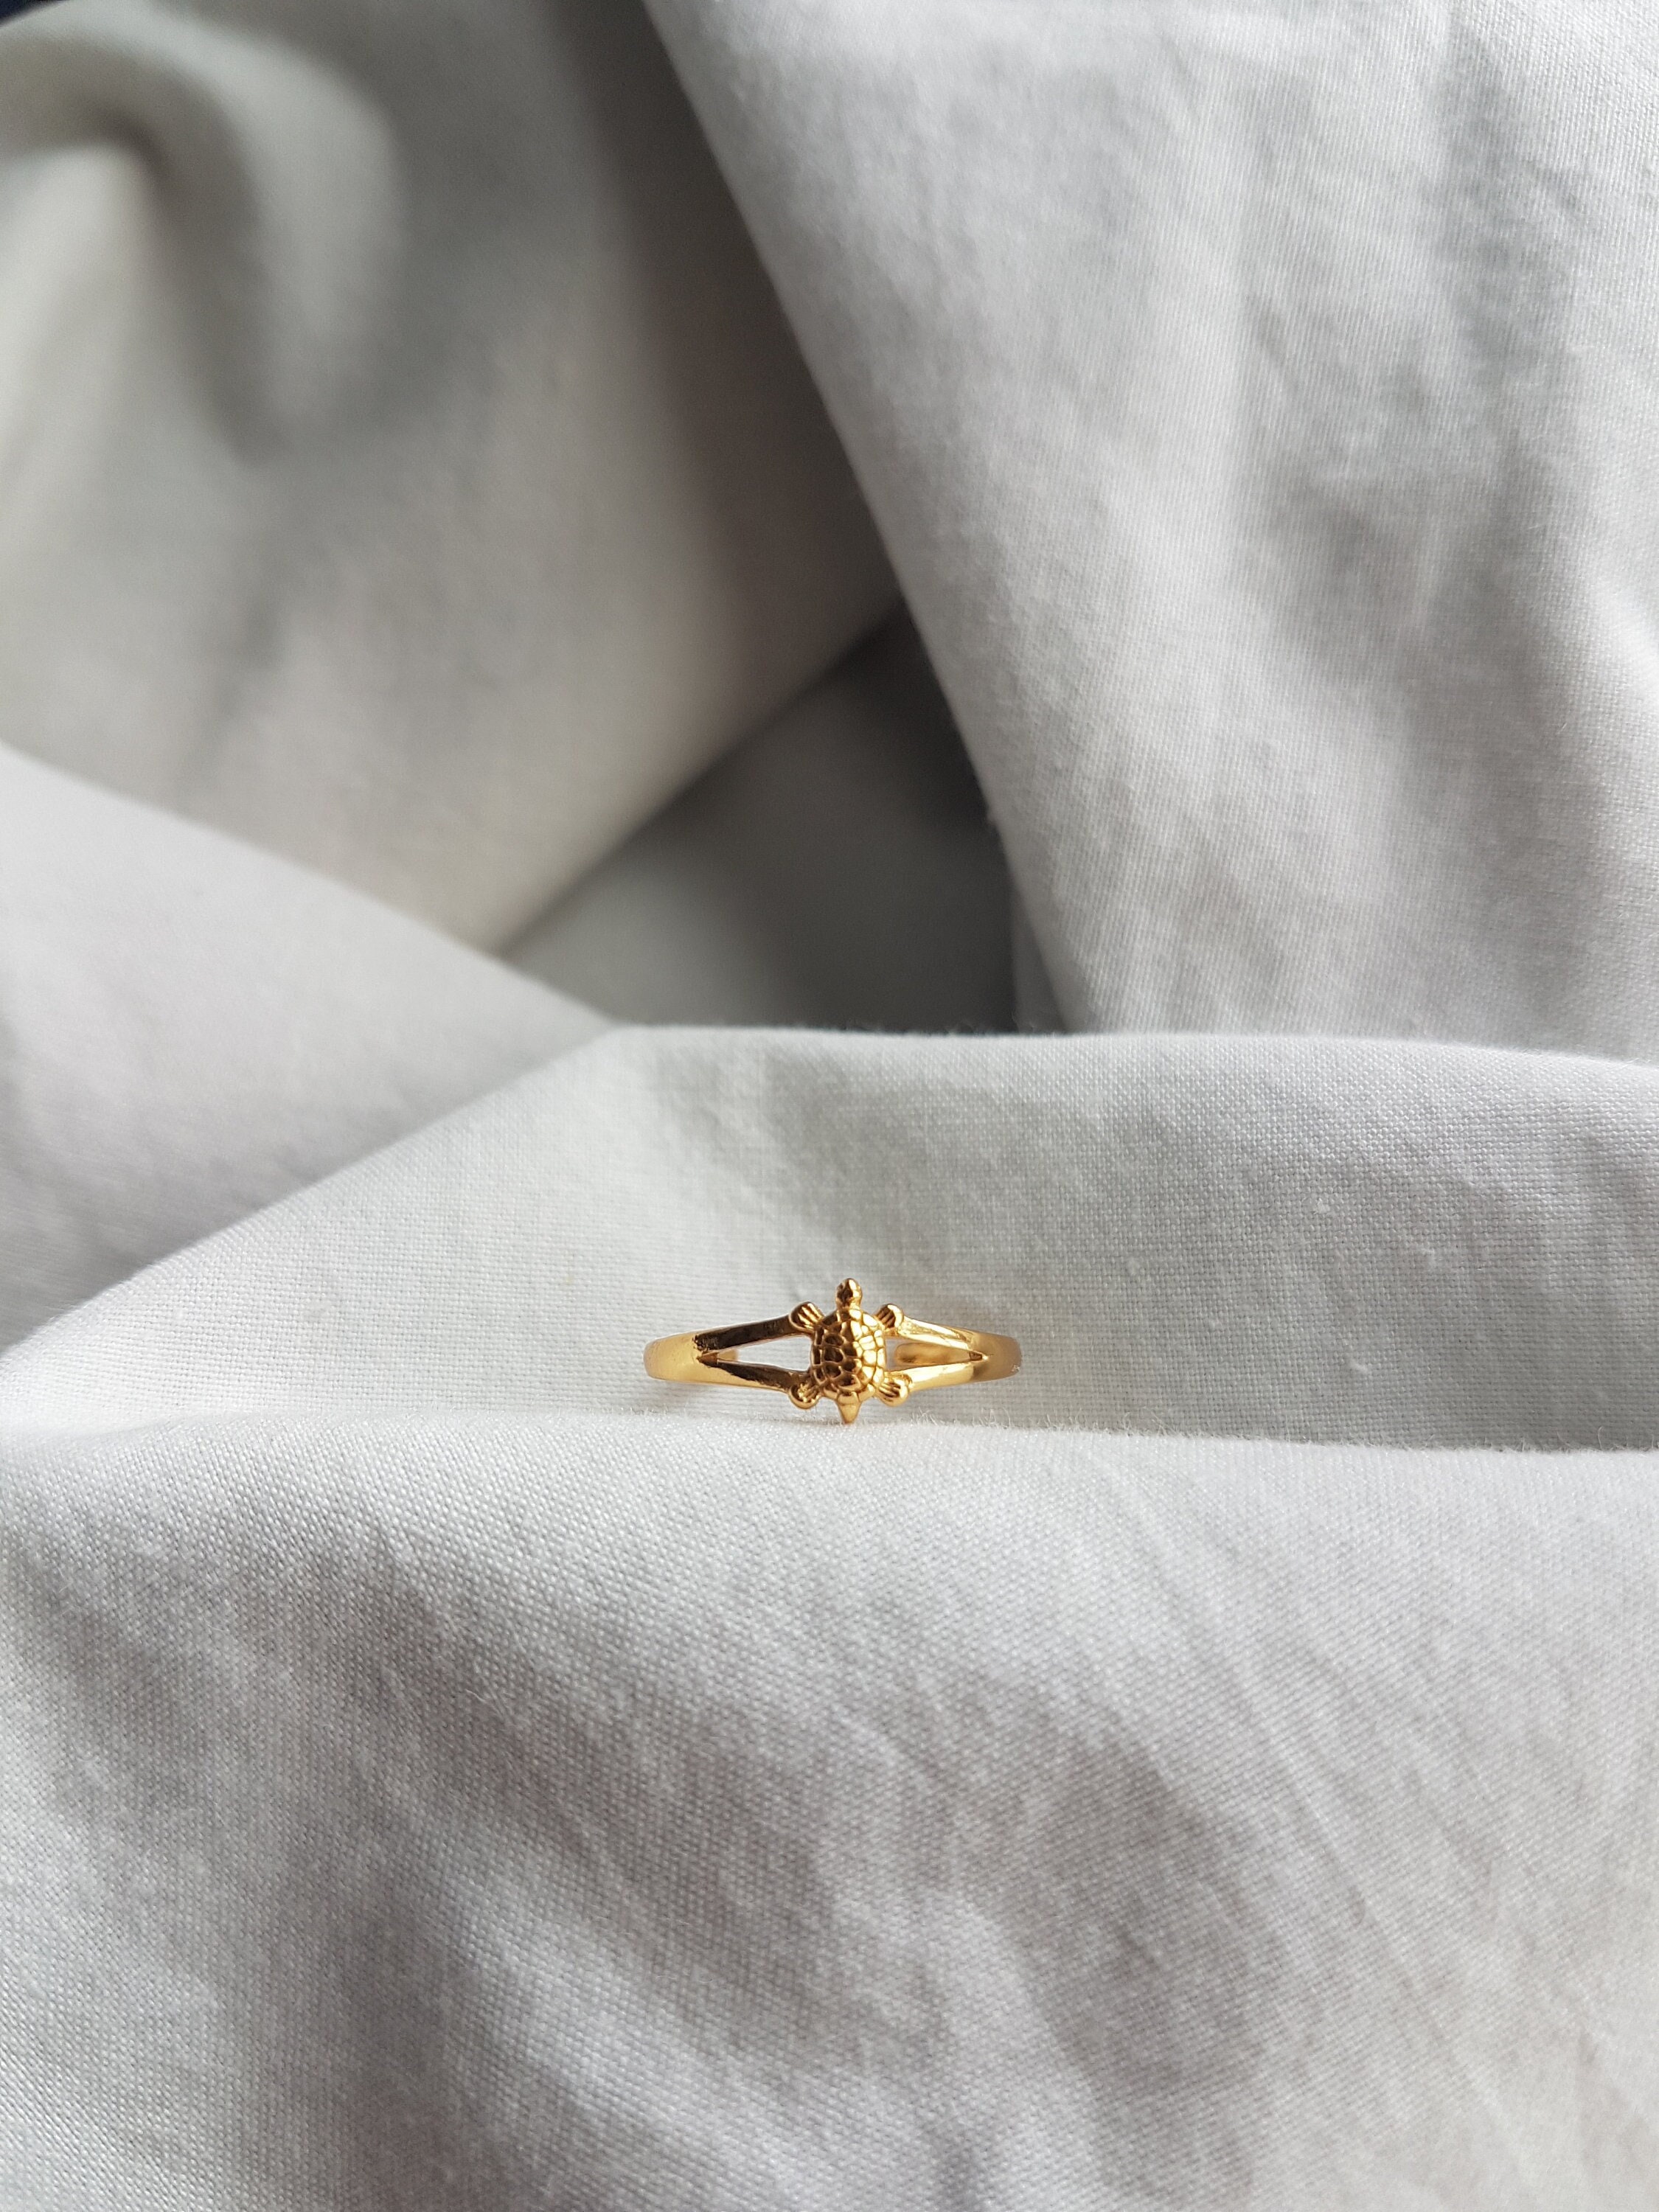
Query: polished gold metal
(856, 1355)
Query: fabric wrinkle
(654, 654)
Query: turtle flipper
(805, 1393)
(806, 1318)
(891, 1389)
(890, 1317)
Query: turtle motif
(849, 1355)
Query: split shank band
(856, 1355)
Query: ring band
(856, 1355)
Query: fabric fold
(1299, 1238)
(1258, 409)
(189, 1029)
(409, 469)
(647, 1815)
(439, 1766)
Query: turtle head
(849, 1294)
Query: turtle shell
(849, 1351)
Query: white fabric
(856, 801)
(1319, 1239)
(407, 465)
(190, 1028)
(439, 1766)
(1258, 404)
(464, 1810)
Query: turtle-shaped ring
(856, 1355)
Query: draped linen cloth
(438, 1766)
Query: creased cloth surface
(438, 1767)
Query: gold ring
(855, 1355)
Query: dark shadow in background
(837, 868)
